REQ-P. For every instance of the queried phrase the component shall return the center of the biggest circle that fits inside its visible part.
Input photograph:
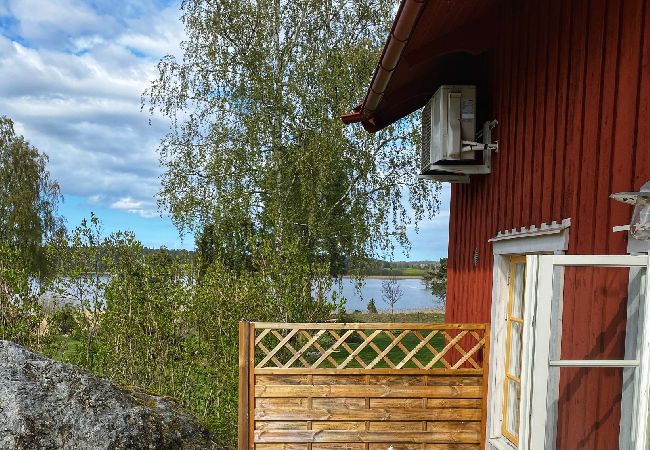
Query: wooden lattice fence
(362, 386)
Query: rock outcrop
(47, 405)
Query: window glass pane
(518, 288)
(514, 362)
(514, 326)
(512, 412)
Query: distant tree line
(379, 267)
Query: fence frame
(248, 370)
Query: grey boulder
(46, 405)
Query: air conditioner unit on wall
(449, 150)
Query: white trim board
(551, 238)
(547, 239)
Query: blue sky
(72, 73)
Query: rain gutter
(408, 14)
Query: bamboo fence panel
(362, 386)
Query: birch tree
(29, 198)
(256, 155)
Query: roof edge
(408, 15)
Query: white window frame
(548, 329)
(547, 239)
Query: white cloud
(72, 79)
(135, 206)
(127, 203)
(52, 22)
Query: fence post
(486, 383)
(244, 370)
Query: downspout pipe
(408, 14)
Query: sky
(71, 77)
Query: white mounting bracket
(459, 173)
(448, 178)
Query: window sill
(501, 443)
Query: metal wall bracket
(459, 173)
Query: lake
(416, 295)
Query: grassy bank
(424, 316)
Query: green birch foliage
(166, 330)
(436, 280)
(85, 260)
(21, 318)
(257, 152)
(28, 198)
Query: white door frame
(547, 324)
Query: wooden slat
(280, 446)
(339, 379)
(400, 380)
(369, 391)
(446, 348)
(454, 426)
(329, 351)
(317, 346)
(277, 348)
(244, 369)
(342, 425)
(455, 381)
(304, 348)
(366, 340)
(375, 348)
(293, 351)
(360, 446)
(404, 349)
(484, 406)
(280, 403)
(353, 371)
(425, 446)
(281, 379)
(394, 426)
(433, 351)
(280, 425)
(373, 414)
(367, 436)
(383, 355)
(353, 353)
(416, 349)
(369, 326)
(443, 403)
(339, 446)
(346, 404)
(467, 356)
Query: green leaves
(28, 199)
(436, 279)
(256, 151)
(20, 312)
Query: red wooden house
(532, 241)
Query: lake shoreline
(385, 277)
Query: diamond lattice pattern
(368, 348)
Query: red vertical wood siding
(571, 91)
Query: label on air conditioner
(467, 109)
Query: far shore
(387, 277)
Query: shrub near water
(167, 332)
